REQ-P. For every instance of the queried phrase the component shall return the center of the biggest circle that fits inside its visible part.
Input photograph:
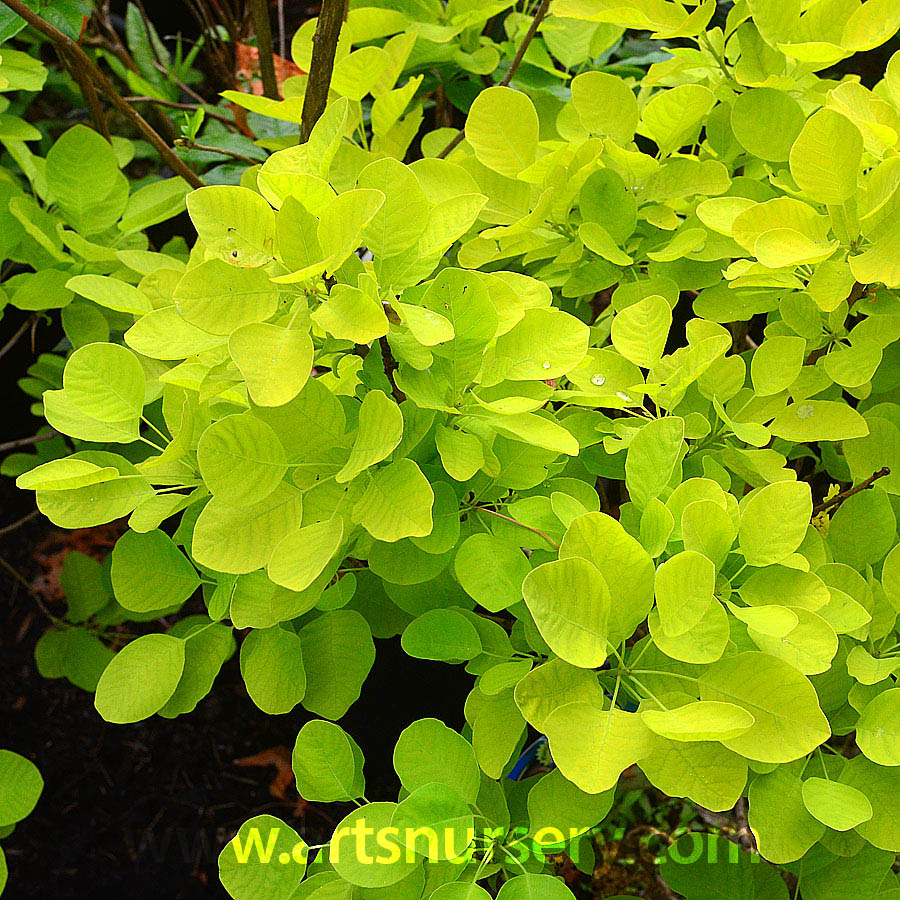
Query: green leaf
(774, 521)
(379, 432)
(789, 722)
(836, 805)
(140, 678)
(877, 733)
(502, 129)
(435, 822)
(110, 293)
(301, 556)
(265, 860)
(429, 752)
(274, 361)
(570, 602)
(173, 579)
(235, 224)
(766, 123)
(350, 314)
(825, 158)
(783, 828)
(338, 653)
(272, 669)
(532, 887)
(327, 763)
(397, 503)
(639, 331)
(441, 634)
(491, 570)
(653, 455)
(20, 787)
(217, 298)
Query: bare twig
(282, 36)
(88, 91)
(513, 68)
(20, 522)
(325, 40)
(536, 531)
(838, 499)
(28, 441)
(23, 328)
(105, 85)
(189, 107)
(193, 145)
(263, 27)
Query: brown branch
(105, 85)
(510, 74)
(263, 28)
(189, 107)
(206, 148)
(318, 82)
(15, 338)
(537, 531)
(838, 499)
(20, 522)
(28, 441)
(88, 91)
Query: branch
(20, 522)
(193, 145)
(263, 27)
(189, 107)
(28, 441)
(510, 74)
(15, 338)
(88, 91)
(318, 82)
(98, 78)
(843, 495)
(493, 512)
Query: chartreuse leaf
(301, 556)
(399, 223)
(530, 887)
(782, 825)
(877, 731)
(397, 503)
(654, 454)
(216, 298)
(639, 331)
(684, 589)
(239, 539)
(272, 669)
(592, 747)
(570, 602)
(379, 432)
(241, 459)
(343, 222)
(839, 806)
(774, 521)
(275, 362)
(140, 678)
(337, 653)
(441, 634)
(106, 382)
(766, 122)
(377, 859)
(502, 129)
(435, 822)
(265, 860)
(111, 293)
(460, 890)
(776, 364)
(818, 420)
(825, 158)
(788, 720)
(20, 786)
(700, 721)
(491, 570)
(428, 752)
(65, 474)
(150, 573)
(556, 806)
(461, 453)
(327, 763)
(235, 224)
(605, 105)
(351, 315)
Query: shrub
(486, 434)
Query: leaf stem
(536, 531)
